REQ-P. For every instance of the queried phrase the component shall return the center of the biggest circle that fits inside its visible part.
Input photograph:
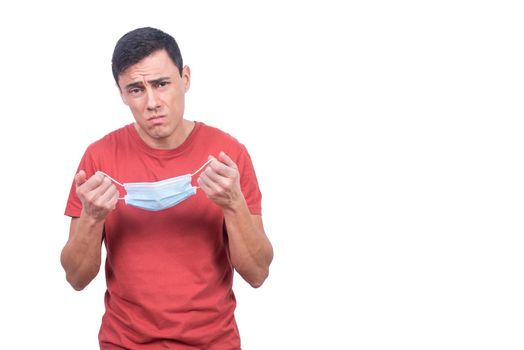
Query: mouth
(156, 119)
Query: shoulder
(218, 138)
(111, 140)
(216, 141)
(105, 150)
(216, 133)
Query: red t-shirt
(169, 276)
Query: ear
(186, 77)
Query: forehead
(156, 65)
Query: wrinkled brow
(140, 84)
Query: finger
(94, 188)
(105, 185)
(109, 198)
(213, 172)
(203, 186)
(94, 181)
(80, 178)
(227, 160)
(222, 169)
(219, 183)
(209, 186)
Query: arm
(81, 256)
(250, 250)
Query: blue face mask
(159, 195)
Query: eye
(135, 91)
(162, 84)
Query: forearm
(250, 250)
(81, 256)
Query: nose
(152, 99)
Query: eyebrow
(150, 82)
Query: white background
(387, 137)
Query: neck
(168, 142)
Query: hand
(97, 194)
(220, 181)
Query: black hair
(140, 43)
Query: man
(174, 240)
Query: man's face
(154, 91)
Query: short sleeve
(74, 206)
(249, 183)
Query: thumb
(80, 178)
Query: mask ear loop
(110, 178)
(202, 167)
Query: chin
(160, 131)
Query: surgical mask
(159, 195)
